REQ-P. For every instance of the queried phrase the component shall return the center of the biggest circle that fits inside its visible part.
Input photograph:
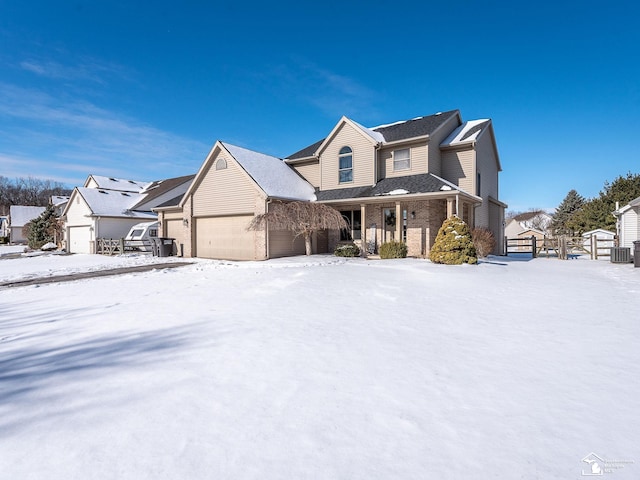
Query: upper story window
(478, 186)
(345, 168)
(221, 164)
(401, 159)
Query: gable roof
(158, 188)
(271, 174)
(393, 186)
(22, 214)
(392, 132)
(468, 132)
(118, 184)
(112, 203)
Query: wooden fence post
(534, 250)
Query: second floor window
(345, 168)
(401, 159)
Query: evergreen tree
(597, 212)
(571, 203)
(453, 245)
(42, 230)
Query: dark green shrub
(453, 245)
(347, 250)
(393, 250)
(4, 240)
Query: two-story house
(391, 182)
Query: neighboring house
(604, 240)
(59, 202)
(538, 221)
(95, 211)
(19, 216)
(391, 182)
(628, 223)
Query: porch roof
(392, 187)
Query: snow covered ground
(320, 368)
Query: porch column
(450, 206)
(399, 222)
(363, 229)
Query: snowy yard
(320, 368)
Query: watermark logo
(596, 465)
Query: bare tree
(301, 218)
(28, 191)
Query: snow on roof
(275, 177)
(465, 133)
(57, 200)
(112, 203)
(377, 136)
(21, 215)
(119, 184)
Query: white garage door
(79, 240)
(225, 238)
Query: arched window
(345, 168)
(221, 164)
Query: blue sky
(142, 90)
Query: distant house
(604, 240)
(19, 216)
(391, 182)
(107, 207)
(537, 221)
(628, 223)
(59, 202)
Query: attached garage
(225, 237)
(283, 244)
(79, 239)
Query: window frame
(343, 154)
(349, 234)
(407, 160)
(221, 163)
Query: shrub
(453, 245)
(393, 250)
(4, 240)
(347, 250)
(483, 240)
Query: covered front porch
(412, 219)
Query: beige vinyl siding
(283, 244)
(225, 238)
(363, 159)
(418, 155)
(435, 160)
(458, 167)
(228, 191)
(487, 166)
(310, 171)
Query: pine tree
(597, 212)
(571, 204)
(453, 245)
(42, 230)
